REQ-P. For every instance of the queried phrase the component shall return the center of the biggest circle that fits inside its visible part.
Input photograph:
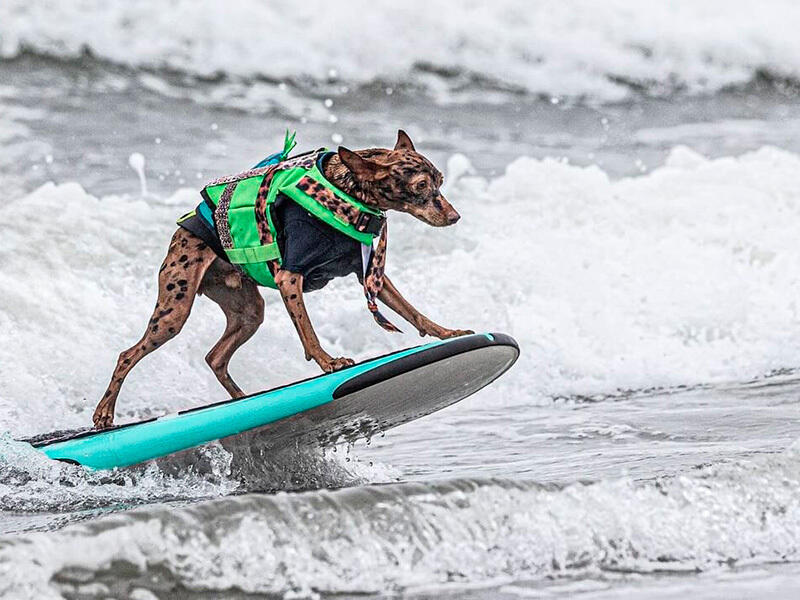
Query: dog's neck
(343, 178)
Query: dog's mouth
(435, 217)
(443, 220)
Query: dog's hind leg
(243, 306)
(180, 275)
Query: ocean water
(627, 175)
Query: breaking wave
(598, 51)
(401, 536)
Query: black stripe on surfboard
(422, 358)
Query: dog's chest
(312, 248)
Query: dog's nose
(452, 217)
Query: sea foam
(687, 274)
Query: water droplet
(137, 162)
(328, 102)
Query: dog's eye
(421, 187)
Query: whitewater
(627, 179)
(581, 48)
(680, 276)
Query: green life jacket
(242, 210)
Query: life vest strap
(253, 254)
(368, 223)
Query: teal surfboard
(347, 405)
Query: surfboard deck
(354, 403)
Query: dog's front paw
(103, 416)
(451, 333)
(336, 364)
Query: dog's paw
(103, 422)
(451, 333)
(103, 417)
(336, 364)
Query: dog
(398, 179)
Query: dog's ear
(360, 167)
(403, 141)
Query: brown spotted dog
(398, 179)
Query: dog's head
(401, 179)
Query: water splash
(137, 162)
(32, 483)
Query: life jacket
(239, 208)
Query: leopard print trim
(373, 281)
(262, 222)
(240, 176)
(221, 216)
(306, 161)
(324, 196)
(264, 234)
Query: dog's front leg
(290, 286)
(392, 298)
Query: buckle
(368, 223)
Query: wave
(401, 536)
(582, 49)
(684, 275)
